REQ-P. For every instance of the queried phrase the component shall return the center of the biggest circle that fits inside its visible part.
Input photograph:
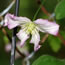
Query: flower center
(29, 27)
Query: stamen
(29, 27)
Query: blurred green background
(52, 46)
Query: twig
(63, 41)
(7, 9)
(22, 55)
(45, 11)
(44, 39)
(13, 46)
(4, 31)
(26, 59)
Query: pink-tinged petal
(35, 40)
(12, 21)
(22, 20)
(22, 36)
(36, 48)
(24, 49)
(9, 21)
(47, 26)
(5, 20)
(8, 47)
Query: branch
(61, 37)
(44, 39)
(45, 11)
(7, 9)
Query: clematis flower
(28, 27)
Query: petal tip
(37, 48)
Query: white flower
(28, 27)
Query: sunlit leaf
(60, 10)
(55, 43)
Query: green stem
(37, 11)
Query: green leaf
(48, 60)
(55, 43)
(60, 10)
(6, 40)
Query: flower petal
(9, 21)
(47, 26)
(35, 40)
(22, 36)
(12, 21)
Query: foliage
(52, 46)
(48, 60)
(60, 10)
